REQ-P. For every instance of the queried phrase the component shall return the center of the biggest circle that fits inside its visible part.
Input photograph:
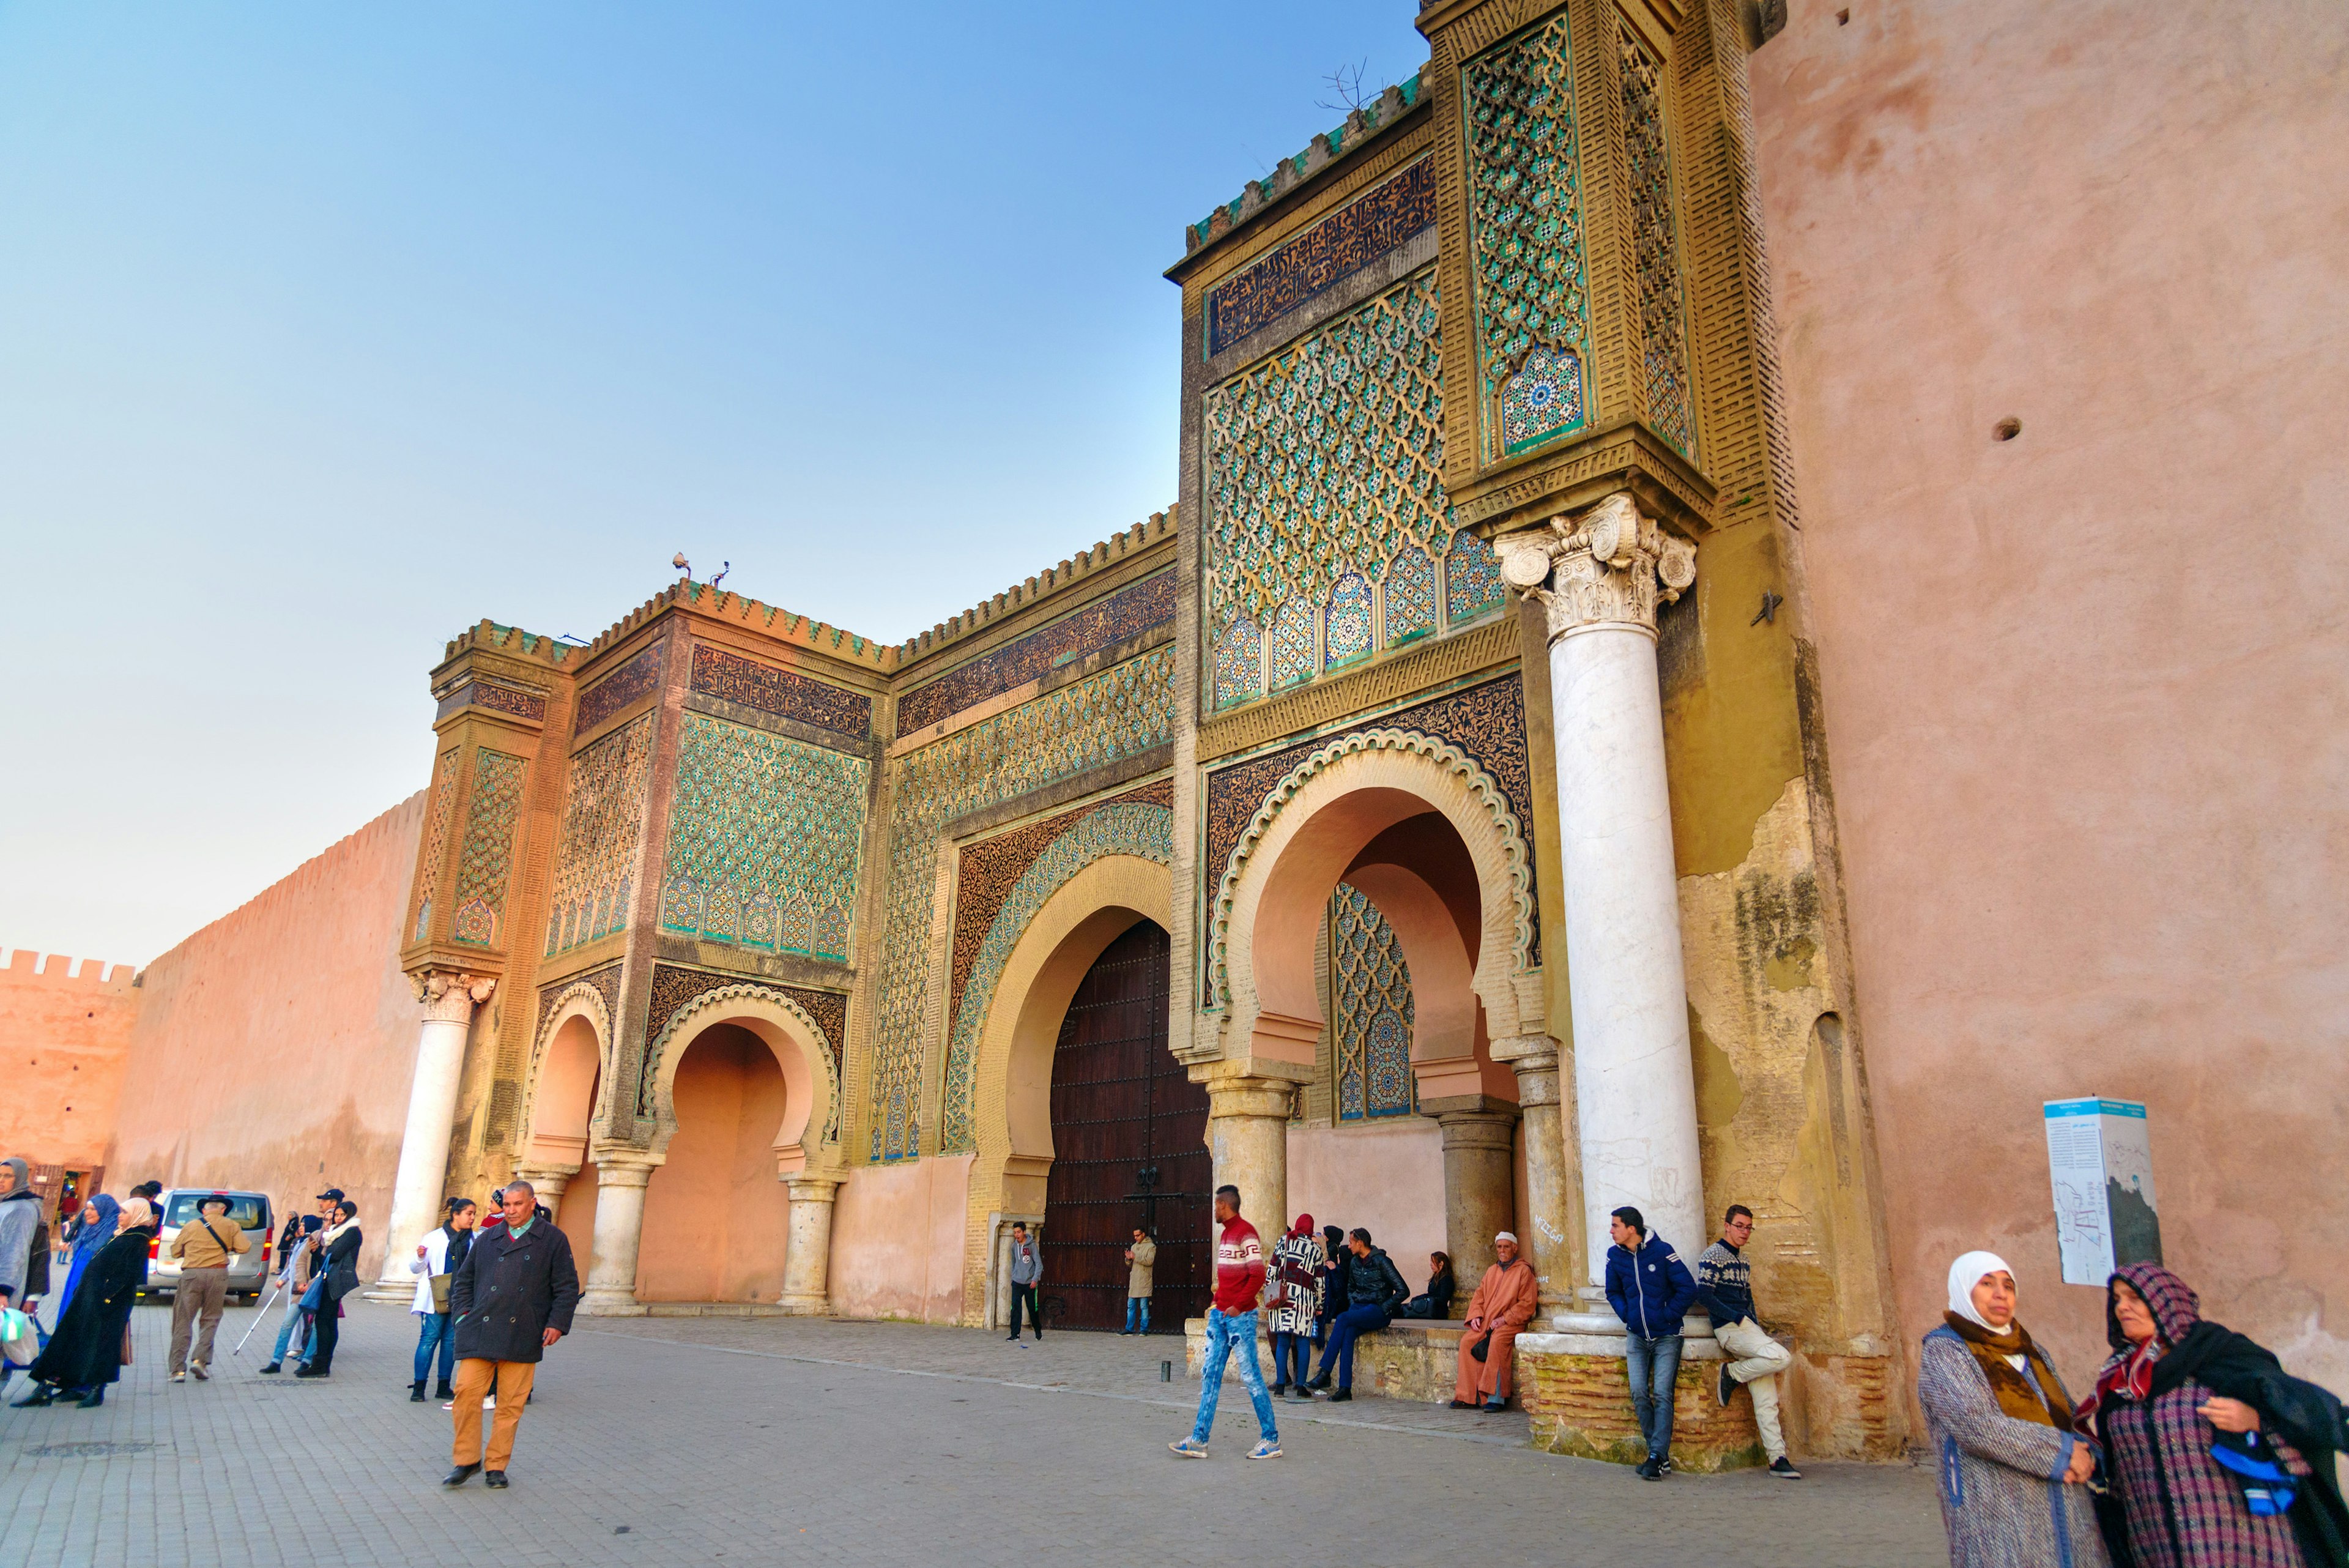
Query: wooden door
(1129, 1131)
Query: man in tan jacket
(1504, 1304)
(203, 1247)
(1142, 1261)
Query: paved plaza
(690, 1440)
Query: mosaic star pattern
(1346, 624)
(1411, 598)
(1134, 828)
(603, 833)
(487, 858)
(1292, 644)
(1239, 663)
(1116, 713)
(1472, 576)
(764, 836)
(1370, 1008)
(1663, 328)
(1526, 229)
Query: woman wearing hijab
(86, 1353)
(98, 1218)
(2013, 1475)
(2208, 1441)
(1294, 1300)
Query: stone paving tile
(786, 1442)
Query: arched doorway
(716, 1219)
(1129, 1148)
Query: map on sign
(2100, 1166)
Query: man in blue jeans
(1231, 1326)
(1650, 1290)
(1375, 1292)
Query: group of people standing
(107, 1247)
(318, 1257)
(2194, 1448)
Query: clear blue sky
(327, 330)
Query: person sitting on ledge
(1436, 1302)
(1376, 1290)
(1504, 1304)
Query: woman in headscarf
(99, 1218)
(2207, 1440)
(338, 1248)
(86, 1353)
(1293, 1297)
(2013, 1475)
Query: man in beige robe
(1504, 1304)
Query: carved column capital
(1606, 568)
(450, 997)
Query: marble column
(1247, 1137)
(1480, 1198)
(1599, 575)
(1545, 1229)
(807, 1263)
(548, 1182)
(416, 1191)
(621, 1174)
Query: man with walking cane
(510, 1299)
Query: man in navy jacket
(1650, 1290)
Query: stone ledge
(1411, 1358)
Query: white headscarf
(1966, 1274)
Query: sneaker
(196, 1370)
(1782, 1469)
(1725, 1385)
(179, 1377)
(1189, 1448)
(1664, 1466)
(1265, 1451)
(1647, 1470)
(273, 1367)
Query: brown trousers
(475, 1377)
(199, 1292)
(1489, 1378)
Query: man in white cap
(1504, 1304)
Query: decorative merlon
(1603, 567)
(1363, 125)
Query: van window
(251, 1213)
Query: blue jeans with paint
(1227, 1332)
(1653, 1365)
(433, 1333)
(1137, 1314)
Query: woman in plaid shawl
(2013, 1475)
(2179, 1392)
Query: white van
(248, 1271)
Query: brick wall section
(66, 1032)
(1581, 1404)
(274, 1048)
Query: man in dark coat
(510, 1298)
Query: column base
(600, 1303)
(385, 1290)
(1578, 1397)
(805, 1307)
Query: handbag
(1478, 1349)
(341, 1281)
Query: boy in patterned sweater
(1725, 1288)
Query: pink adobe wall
(716, 1217)
(67, 1033)
(1386, 1177)
(275, 1047)
(2086, 691)
(897, 1239)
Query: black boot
(93, 1398)
(39, 1394)
(416, 1392)
(444, 1391)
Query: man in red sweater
(1231, 1326)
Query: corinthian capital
(1607, 567)
(450, 997)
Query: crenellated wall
(67, 1033)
